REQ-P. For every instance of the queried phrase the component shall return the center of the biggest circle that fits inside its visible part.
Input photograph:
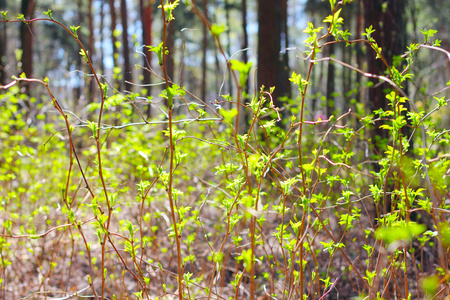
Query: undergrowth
(189, 204)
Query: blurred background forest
(267, 33)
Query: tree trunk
(227, 17)
(244, 30)
(91, 51)
(284, 67)
(348, 55)
(146, 19)
(112, 12)
(27, 40)
(272, 68)
(102, 24)
(330, 105)
(245, 89)
(91, 47)
(204, 46)
(78, 89)
(389, 25)
(3, 47)
(359, 52)
(128, 77)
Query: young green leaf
(242, 68)
(4, 14)
(48, 13)
(218, 29)
(168, 9)
(74, 30)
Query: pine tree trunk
(128, 77)
(272, 70)
(284, 67)
(102, 24)
(330, 105)
(359, 47)
(245, 114)
(204, 47)
(146, 19)
(91, 51)
(227, 17)
(3, 47)
(389, 25)
(245, 36)
(27, 40)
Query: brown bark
(389, 34)
(272, 68)
(244, 30)
(102, 24)
(284, 67)
(244, 57)
(390, 31)
(227, 17)
(348, 55)
(146, 19)
(330, 82)
(3, 47)
(128, 76)
(27, 40)
(91, 50)
(90, 18)
(204, 46)
(359, 52)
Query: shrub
(186, 205)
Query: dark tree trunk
(330, 105)
(102, 24)
(128, 77)
(3, 47)
(204, 46)
(146, 19)
(112, 12)
(316, 9)
(389, 24)
(91, 50)
(272, 68)
(348, 53)
(245, 33)
(359, 52)
(27, 40)
(227, 17)
(91, 47)
(83, 19)
(78, 90)
(245, 88)
(284, 68)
